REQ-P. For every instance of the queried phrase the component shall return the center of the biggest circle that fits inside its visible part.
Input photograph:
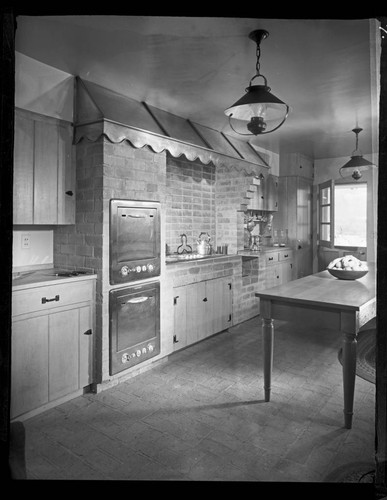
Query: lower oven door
(134, 325)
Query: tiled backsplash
(190, 201)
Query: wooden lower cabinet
(201, 309)
(277, 267)
(52, 353)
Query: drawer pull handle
(286, 256)
(55, 299)
(88, 332)
(205, 299)
(136, 300)
(271, 258)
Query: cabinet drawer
(285, 255)
(271, 258)
(49, 297)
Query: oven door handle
(135, 300)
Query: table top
(324, 289)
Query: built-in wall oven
(134, 240)
(134, 325)
(134, 300)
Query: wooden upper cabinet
(296, 164)
(271, 193)
(44, 170)
(266, 195)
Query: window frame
(330, 184)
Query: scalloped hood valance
(102, 112)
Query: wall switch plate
(25, 240)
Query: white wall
(40, 252)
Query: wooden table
(320, 298)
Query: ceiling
(196, 67)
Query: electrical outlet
(25, 240)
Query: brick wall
(194, 198)
(234, 187)
(189, 201)
(105, 171)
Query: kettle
(203, 244)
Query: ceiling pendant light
(354, 167)
(258, 108)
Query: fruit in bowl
(348, 268)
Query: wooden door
(29, 369)
(271, 193)
(180, 317)
(86, 346)
(219, 305)
(196, 318)
(46, 173)
(63, 361)
(66, 175)
(23, 172)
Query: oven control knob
(144, 350)
(144, 268)
(150, 267)
(150, 347)
(125, 358)
(138, 269)
(124, 270)
(138, 353)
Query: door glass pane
(351, 215)
(325, 232)
(325, 196)
(325, 214)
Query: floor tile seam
(66, 450)
(223, 461)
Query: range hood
(100, 111)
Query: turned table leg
(349, 375)
(267, 339)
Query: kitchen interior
(144, 222)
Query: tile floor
(201, 417)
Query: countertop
(263, 250)
(176, 259)
(30, 279)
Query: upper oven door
(134, 240)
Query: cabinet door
(180, 317)
(286, 272)
(219, 305)
(63, 363)
(23, 170)
(196, 320)
(45, 173)
(86, 346)
(29, 368)
(273, 275)
(271, 193)
(44, 170)
(66, 175)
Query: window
(343, 214)
(350, 215)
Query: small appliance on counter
(204, 246)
